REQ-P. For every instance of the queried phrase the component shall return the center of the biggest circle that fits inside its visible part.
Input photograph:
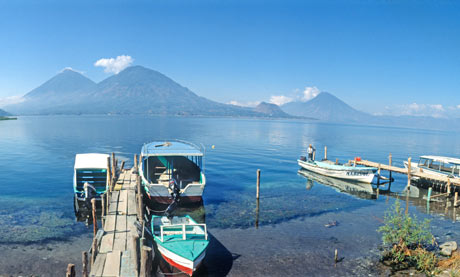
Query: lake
(39, 234)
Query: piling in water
(84, 260)
(258, 184)
(93, 206)
(70, 270)
(325, 152)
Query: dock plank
(98, 267)
(123, 202)
(107, 239)
(112, 264)
(113, 203)
(127, 268)
(120, 234)
(132, 205)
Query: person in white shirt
(310, 151)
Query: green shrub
(407, 238)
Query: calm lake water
(37, 221)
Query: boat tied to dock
(340, 171)
(172, 168)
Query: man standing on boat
(310, 151)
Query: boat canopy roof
(91, 160)
(171, 148)
(441, 159)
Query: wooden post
(428, 197)
(325, 152)
(337, 161)
(135, 163)
(93, 206)
(135, 240)
(314, 154)
(103, 210)
(257, 213)
(448, 186)
(139, 200)
(107, 201)
(122, 165)
(114, 169)
(390, 163)
(84, 259)
(70, 270)
(258, 184)
(409, 172)
(146, 261)
(378, 177)
(336, 256)
(93, 252)
(455, 199)
(109, 175)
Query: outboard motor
(175, 195)
(90, 193)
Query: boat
(181, 241)
(340, 171)
(358, 189)
(173, 167)
(90, 178)
(436, 165)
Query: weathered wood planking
(123, 202)
(98, 267)
(108, 238)
(423, 175)
(132, 203)
(112, 264)
(115, 253)
(127, 268)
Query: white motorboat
(340, 171)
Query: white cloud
(297, 95)
(309, 93)
(415, 109)
(115, 65)
(280, 99)
(244, 104)
(9, 100)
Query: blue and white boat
(173, 167)
(90, 175)
(340, 171)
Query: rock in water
(448, 247)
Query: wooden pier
(402, 170)
(119, 248)
(116, 253)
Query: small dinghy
(340, 171)
(181, 241)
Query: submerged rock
(448, 247)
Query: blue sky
(378, 56)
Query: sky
(381, 57)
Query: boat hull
(161, 194)
(179, 262)
(365, 176)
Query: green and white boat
(181, 241)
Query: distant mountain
(326, 107)
(135, 90)
(66, 87)
(4, 113)
(270, 110)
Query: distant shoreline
(8, 118)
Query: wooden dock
(401, 170)
(115, 255)
(119, 248)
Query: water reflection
(361, 190)
(415, 196)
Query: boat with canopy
(171, 169)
